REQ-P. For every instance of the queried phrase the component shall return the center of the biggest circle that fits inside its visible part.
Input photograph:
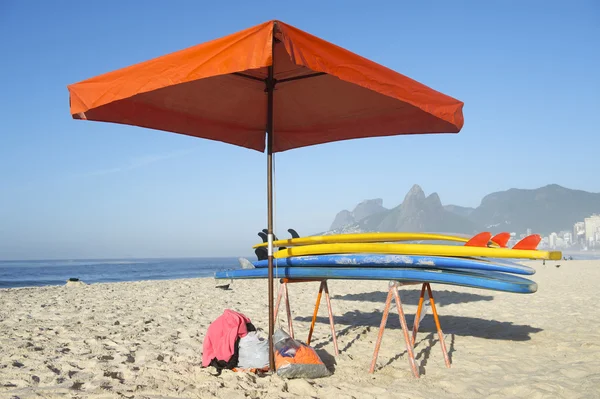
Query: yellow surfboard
(416, 249)
(364, 238)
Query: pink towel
(221, 335)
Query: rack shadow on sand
(411, 297)
(357, 324)
(458, 325)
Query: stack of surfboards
(481, 261)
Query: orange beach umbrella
(272, 87)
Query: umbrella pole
(270, 87)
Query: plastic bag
(253, 352)
(294, 359)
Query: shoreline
(50, 273)
(103, 282)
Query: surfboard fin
(263, 234)
(245, 263)
(261, 253)
(479, 240)
(530, 242)
(293, 233)
(265, 231)
(501, 239)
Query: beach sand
(144, 340)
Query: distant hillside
(416, 213)
(459, 210)
(420, 213)
(364, 209)
(543, 210)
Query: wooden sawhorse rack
(283, 291)
(393, 291)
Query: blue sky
(527, 72)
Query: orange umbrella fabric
(216, 90)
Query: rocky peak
(363, 210)
(433, 201)
(368, 208)
(413, 201)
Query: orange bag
(294, 359)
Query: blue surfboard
(397, 261)
(477, 279)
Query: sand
(144, 340)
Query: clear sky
(527, 72)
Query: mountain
(459, 210)
(343, 218)
(420, 213)
(544, 210)
(416, 213)
(364, 209)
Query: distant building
(552, 239)
(567, 236)
(591, 225)
(579, 232)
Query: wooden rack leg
(438, 326)
(314, 319)
(409, 347)
(384, 318)
(418, 314)
(331, 323)
(278, 300)
(289, 312)
(283, 292)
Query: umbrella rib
(249, 77)
(312, 75)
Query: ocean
(36, 273)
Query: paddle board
(486, 280)
(365, 238)
(396, 261)
(417, 249)
(483, 239)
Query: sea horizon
(76, 259)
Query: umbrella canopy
(216, 90)
(271, 86)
